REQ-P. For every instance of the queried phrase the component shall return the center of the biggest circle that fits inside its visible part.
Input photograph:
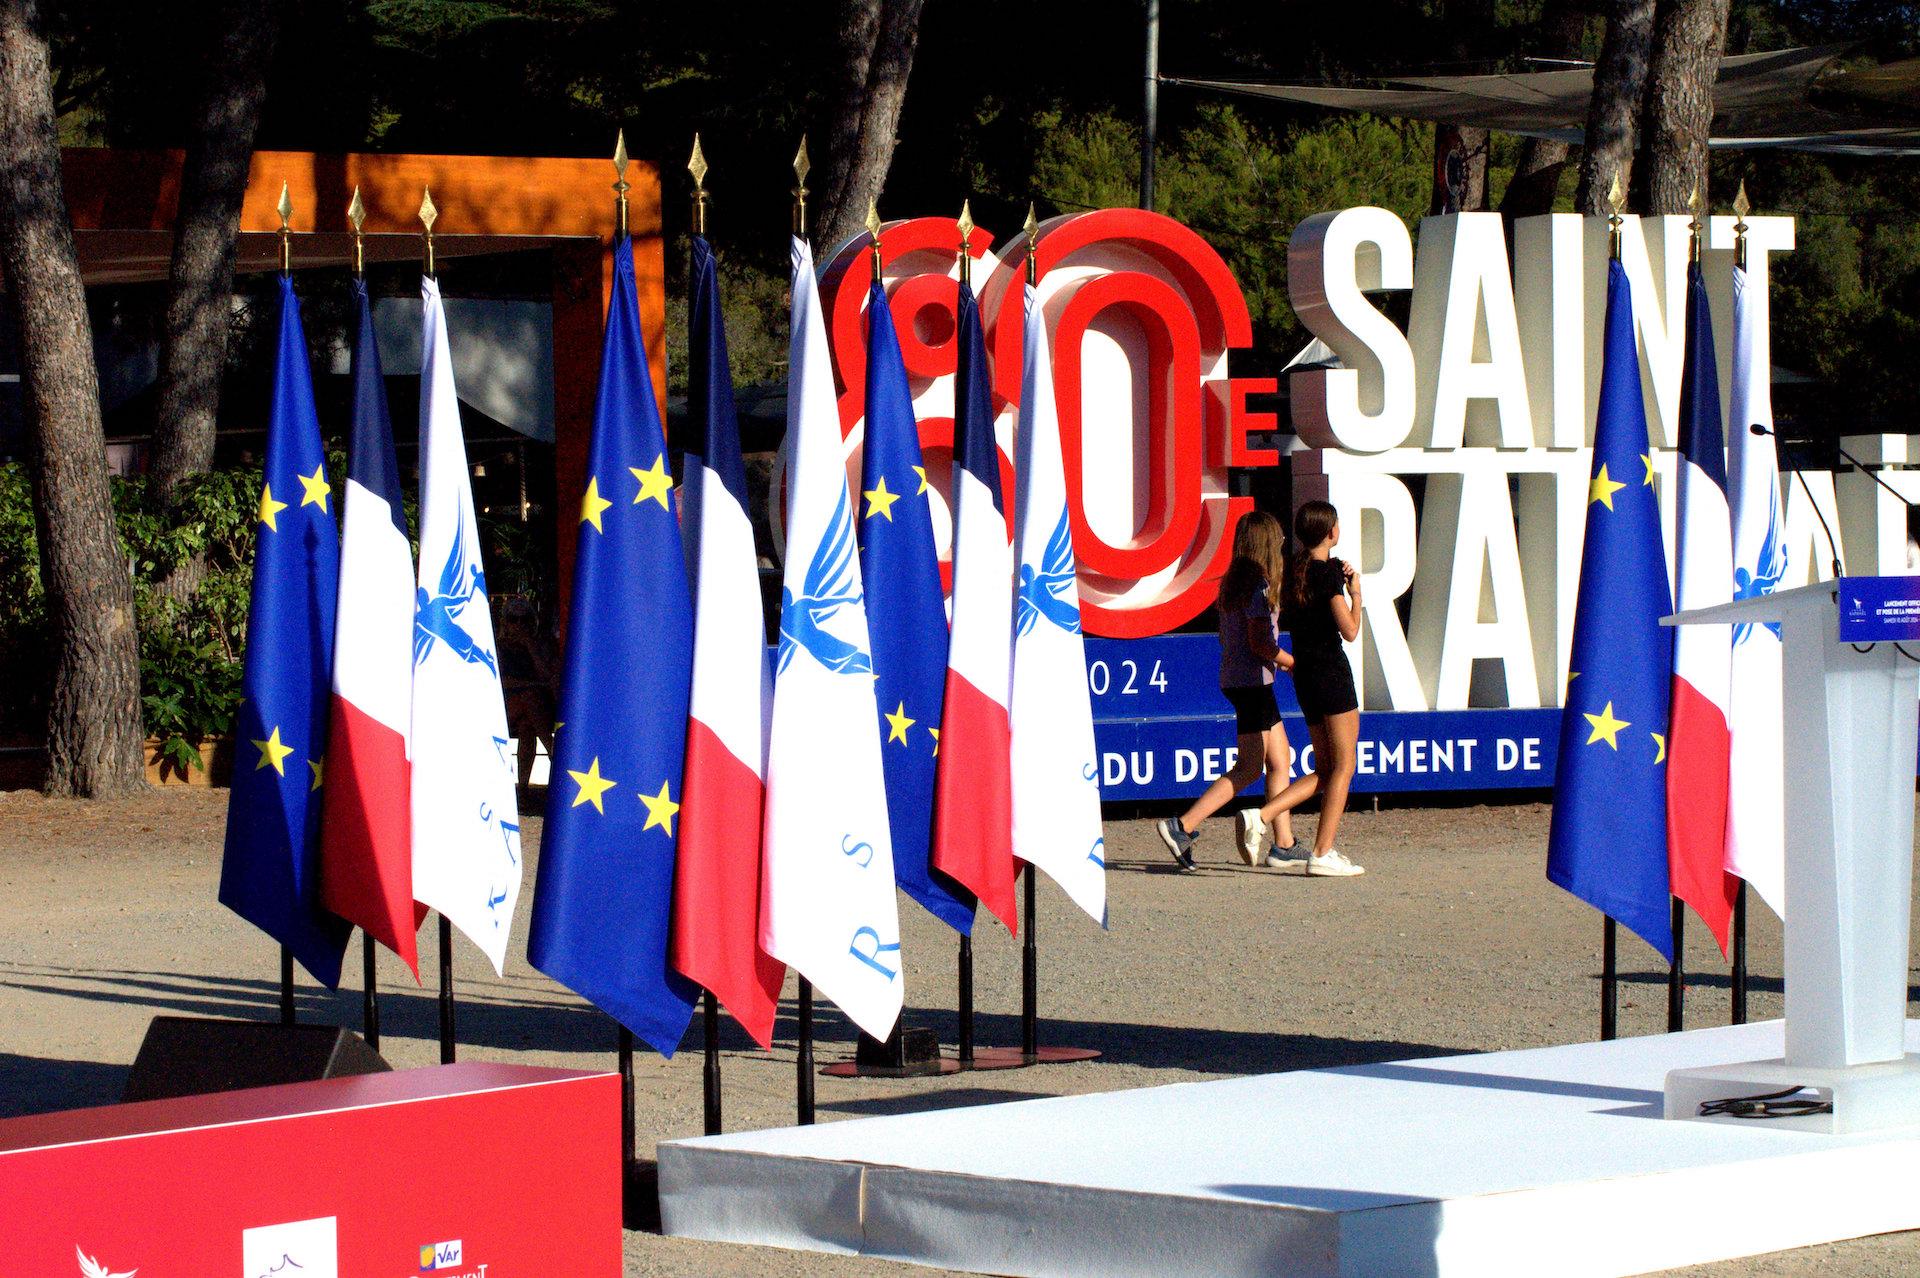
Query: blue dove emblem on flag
(436, 617)
(1765, 577)
(829, 587)
(1047, 593)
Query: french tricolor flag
(973, 794)
(716, 886)
(366, 842)
(1697, 751)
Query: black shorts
(1254, 709)
(1324, 688)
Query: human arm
(1346, 606)
(1264, 643)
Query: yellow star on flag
(660, 810)
(655, 482)
(317, 488)
(592, 786)
(880, 501)
(319, 767)
(1603, 488)
(921, 471)
(1606, 727)
(273, 752)
(1659, 747)
(592, 504)
(269, 507)
(898, 723)
(936, 741)
(1647, 459)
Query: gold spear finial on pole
(1741, 207)
(357, 215)
(697, 165)
(427, 215)
(1696, 226)
(965, 223)
(1616, 204)
(1032, 228)
(801, 167)
(620, 187)
(285, 208)
(874, 227)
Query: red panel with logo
(459, 1171)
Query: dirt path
(1453, 942)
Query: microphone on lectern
(1833, 550)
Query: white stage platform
(1549, 1161)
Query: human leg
(1342, 733)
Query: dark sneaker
(1179, 842)
(1280, 858)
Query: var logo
(440, 1255)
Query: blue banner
(1879, 609)
(1164, 731)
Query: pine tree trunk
(213, 184)
(859, 24)
(1613, 115)
(93, 719)
(865, 166)
(1535, 185)
(1677, 119)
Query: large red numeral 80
(1141, 313)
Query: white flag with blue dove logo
(466, 823)
(827, 905)
(1056, 775)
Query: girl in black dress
(1322, 609)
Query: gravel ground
(1453, 942)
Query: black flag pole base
(908, 1052)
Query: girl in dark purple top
(1250, 652)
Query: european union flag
(1608, 845)
(603, 898)
(906, 618)
(270, 874)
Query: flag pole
(1029, 946)
(709, 1005)
(1737, 950)
(369, 984)
(1676, 969)
(428, 214)
(285, 209)
(1738, 982)
(1610, 930)
(964, 1048)
(803, 1057)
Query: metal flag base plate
(1014, 1058)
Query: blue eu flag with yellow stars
(906, 618)
(270, 873)
(603, 898)
(1608, 844)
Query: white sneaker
(1252, 831)
(1333, 866)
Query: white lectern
(1850, 734)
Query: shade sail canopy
(1799, 99)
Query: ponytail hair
(1313, 523)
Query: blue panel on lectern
(1879, 609)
